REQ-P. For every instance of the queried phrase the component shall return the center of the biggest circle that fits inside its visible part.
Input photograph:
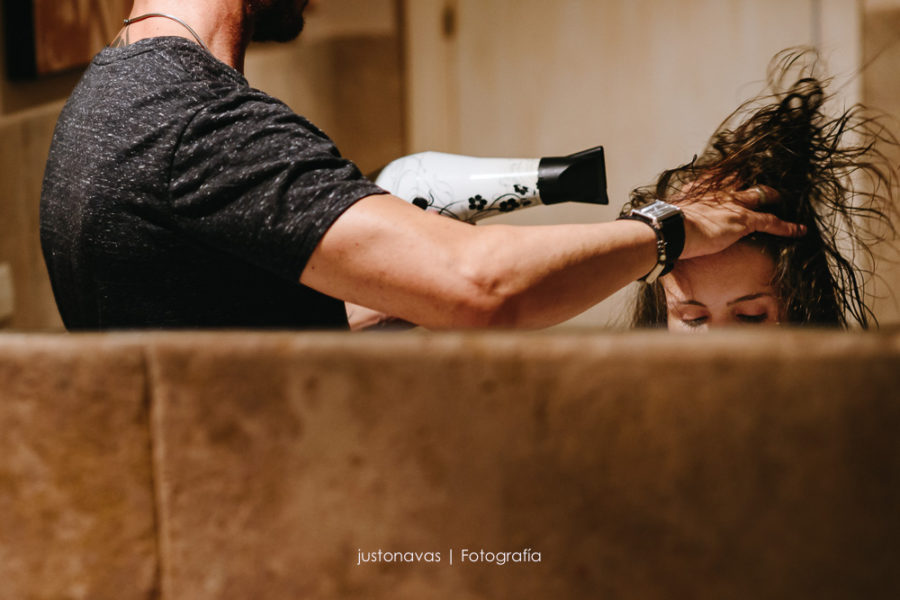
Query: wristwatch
(668, 223)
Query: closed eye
(760, 318)
(695, 322)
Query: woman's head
(732, 287)
(831, 178)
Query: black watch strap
(667, 221)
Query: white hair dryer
(470, 188)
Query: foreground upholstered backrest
(200, 466)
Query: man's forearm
(541, 276)
(439, 273)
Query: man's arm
(387, 255)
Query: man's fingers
(756, 196)
(766, 223)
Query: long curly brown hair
(831, 177)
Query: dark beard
(277, 20)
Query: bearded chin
(281, 21)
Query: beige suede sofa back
(267, 466)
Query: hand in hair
(717, 219)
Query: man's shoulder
(171, 55)
(159, 71)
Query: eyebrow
(690, 303)
(749, 297)
(733, 302)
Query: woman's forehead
(741, 270)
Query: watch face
(659, 210)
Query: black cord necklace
(165, 16)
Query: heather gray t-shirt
(175, 195)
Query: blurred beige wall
(881, 90)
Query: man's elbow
(485, 300)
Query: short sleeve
(252, 178)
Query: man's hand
(716, 220)
(361, 318)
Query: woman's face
(733, 287)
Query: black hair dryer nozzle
(579, 177)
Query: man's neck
(221, 24)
